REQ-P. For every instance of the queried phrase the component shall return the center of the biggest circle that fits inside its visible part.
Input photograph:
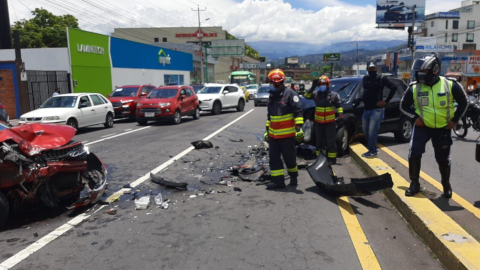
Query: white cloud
(254, 20)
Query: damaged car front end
(40, 164)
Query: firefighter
(430, 101)
(284, 127)
(328, 107)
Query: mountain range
(275, 50)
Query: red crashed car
(40, 163)
(124, 99)
(168, 103)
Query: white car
(217, 97)
(252, 90)
(76, 110)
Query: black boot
(414, 172)
(445, 173)
(332, 161)
(293, 181)
(276, 184)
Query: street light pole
(358, 64)
(200, 36)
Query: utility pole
(5, 31)
(410, 33)
(200, 36)
(358, 64)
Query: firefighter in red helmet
(284, 127)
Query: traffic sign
(331, 57)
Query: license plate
(149, 114)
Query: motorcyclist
(284, 125)
(328, 107)
(430, 101)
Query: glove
(265, 136)
(299, 134)
(339, 119)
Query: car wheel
(217, 108)
(256, 104)
(142, 123)
(404, 131)
(197, 113)
(177, 118)
(460, 129)
(109, 121)
(342, 141)
(73, 123)
(132, 118)
(241, 105)
(4, 209)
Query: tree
(249, 51)
(44, 29)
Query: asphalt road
(300, 228)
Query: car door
(233, 95)
(190, 100)
(100, 109)
(86, 112)
(183, 102)
(392, 109)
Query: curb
(453, 246)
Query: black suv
(350, 90)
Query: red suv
(124, 99)
(168, 103)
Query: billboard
(473, 65)
(395, 14)
(331, 57)
(228, 47)
(291, 61)
(430, 45)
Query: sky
(310, 21)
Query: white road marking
(108, 135)
(25, 253)
(115, 136)
(128, 129)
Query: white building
(456, 27)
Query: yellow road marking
(455, 197)
(365, 254)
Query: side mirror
(143, 94)
(82, 105)
(225, 92)
(477, 152)
(356, 102)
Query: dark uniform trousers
(283, 148)
(325, 134)
(441, 142)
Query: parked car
(197, 87)
(262, 95)
(124, 99)
(218, 97)
(245, 93)
(350, 90)
(39, 163)
(252, 90)
(168, 103)
(75, 110)
(399, 13)
(3, 114)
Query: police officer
(284, 126)
(430, 101)
(326, 102)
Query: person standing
(374, 110)
(284, 125)
(430, 101)
(328, 107)
(56, 93)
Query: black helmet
(429, 62)
(371, 64)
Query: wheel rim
(197, 113)
(110, 120)
(459, 128)
(177, 117)
(72, 124)
(217, 108)
(345, 139)
(407, 129)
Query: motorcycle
(470, 119)
(39, 163)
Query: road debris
(202, 144)
(112, 211)
(142, 203)
(158, 199)
(163, 182)
(239, 140)
(237, 189)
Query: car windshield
(163, 93)
(197, 88)
(343, 88)
(210, 90)
(251, 87)
(125, 92)
(263, 89)
(3, 127)
(60, 102)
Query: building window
(455, 25)
(155, 39)
(446, 24)
(469, 47)
(470, 37)
(164, 39)
(446, 37)
(173, 79)
(470, 24)
(432, 24)
(454, 37)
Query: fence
(42, 84)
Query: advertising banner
(397, 14)
(291, 60)
(473, 65)
(331, 57)
(430, 45)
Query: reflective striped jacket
(284, 113)
(325, 104)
